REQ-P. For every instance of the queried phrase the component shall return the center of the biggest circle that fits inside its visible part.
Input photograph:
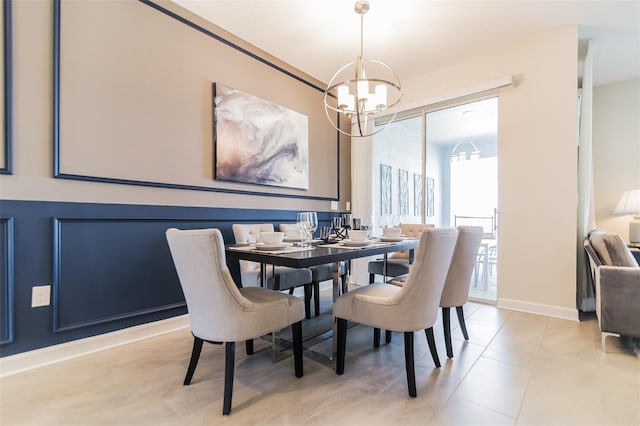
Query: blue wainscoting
(109, 265)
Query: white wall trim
(53, 354)
(539, 309)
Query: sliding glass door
(462, 162)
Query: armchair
(616, 276)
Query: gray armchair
(616, 276)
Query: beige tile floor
(516, 369)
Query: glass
(307, 223)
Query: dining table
(319, 252)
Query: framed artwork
(385, 189)
(417, 194)
(403, 187)
(430, 200)
(259, 142)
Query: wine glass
(303, 225)
(313, 223)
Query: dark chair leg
(408, 361)
(463, 325)
(291, 290)
(342, 345)
(316, 297)
(432, 346)
(249, 346)
(446, 322)
(345, 285)
(376, 337)
(195, 355)
(372, 278)
(296, 331)
(229, 359)
(387, 336)
(307, 301)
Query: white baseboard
(539, 309)
(52, 354)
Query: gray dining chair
(407, 309)
(278, 277)
(398, 263)
(219, 311)
(320, 273)
(456, 287)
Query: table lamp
(630, 204)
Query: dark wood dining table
(319, 254)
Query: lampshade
(361, 89)
(630, 204)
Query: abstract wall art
(403, 183)
(259, 142)
(385, 189)
(417, 194)
(430, 198)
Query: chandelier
(361, 89)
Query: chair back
(410, 230)
(213, 299)
(250, 233)
(463, 262)
(420, 295)
(610, 249)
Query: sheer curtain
(585, 294)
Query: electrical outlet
(40, 295)
(348, 206)
(334, 205)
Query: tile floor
(516, 369)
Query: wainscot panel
(109, 265)
(6, 280)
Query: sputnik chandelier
(361, 89)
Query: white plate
(292, 239)
(350, 243)
(280, 246)
(391, 239)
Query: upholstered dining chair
(219, 311)
(407, 309)
(456, 287)
(278, 277)
(398, 262)
(321, 273)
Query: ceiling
(415, 37)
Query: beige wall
(145, 112)
(616, 150)
(537, 164)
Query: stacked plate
(272, 247)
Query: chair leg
(249, 346)
(195, 356)
(432, 346)
(296, 331)
(376, 337)
(229, 359)
(307, 301)
(316, 297)
(345, 284)
(463, 325)
(387, 336)
(291, 290)
(446, 323)
(409, 365)
(342, 345)
(372, 278)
